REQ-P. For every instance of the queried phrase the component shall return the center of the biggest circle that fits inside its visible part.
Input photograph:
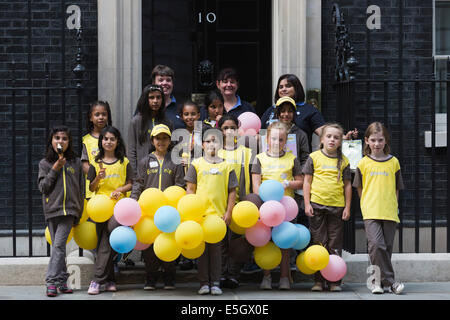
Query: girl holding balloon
(327, 193)
(61, 182)
(111, 174)
(277, 164)
(157, 170)
(214, 179)
(240, 157)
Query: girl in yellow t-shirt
(98, 117)
(215, 181)
(378, 180)
(277, 164)
(111, 175)
(327, 192)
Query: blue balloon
(122, 239)
(167, 219)
(285, 235)
(304, 237)
(271, 190)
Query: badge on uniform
(214, 171)
(153, 164)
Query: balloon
(166, 247)
(285, 235)
(235, 228)
(249, 120)
(301, 265)
(258, 235)
(267, 257)
(141, 246)
(271, 190)
(150, 200)
(84, 215)
(85, 235)
(194, 253)
(191, 207)
(335, 269)
(100, 208)
(214, 228)
(173, 194)
(146, 230)
(189, 234)
(316, 257)
(127, 212)
(304, 237)
(240, 250)
(291, 207)
(250, 132)
(254, 198)
(272, 213)
(49, 238)
(122, 239)
(167, 219)
(245, 214)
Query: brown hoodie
(63, 190)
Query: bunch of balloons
(265, 221)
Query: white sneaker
(266, 283)
(376, 289)
(216, 291)
(204, 290)
(284, 284)
(397, 287)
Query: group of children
(223, 174)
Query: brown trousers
(326, 227)
(209, 264)
(152, 265)
(380, 236)
(104, 262)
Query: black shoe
(232, 283)
(223, 283)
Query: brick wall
(31, 47)
(372, 49)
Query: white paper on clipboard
(352, 149)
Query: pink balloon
(127, 211)
(335, 269)
(250, 132)
(141, 246)
(250, 120)
(258, 235)
(291, 207)
(272, 213)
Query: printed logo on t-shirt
(377, 173)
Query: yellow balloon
(189, 234)
(173, 194)
(85, 235)
(166, 247)
(267, 257)
(245, 214)
(100, 208)
(301, 265)
(146, 230)
(49, 238)
(235, 228)
(194, 253)
(214, 228)
(191, 207)
(84, 215)
(316, 257)
(151, 200)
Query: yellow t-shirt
(279, 169)
(213, 184)
(378, 180)
(234, 158)
(91, 144)
(325, 187)
(116, 176)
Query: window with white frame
(441, 48)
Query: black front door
(187, 35)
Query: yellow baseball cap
(160, 128)
(288, 100)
